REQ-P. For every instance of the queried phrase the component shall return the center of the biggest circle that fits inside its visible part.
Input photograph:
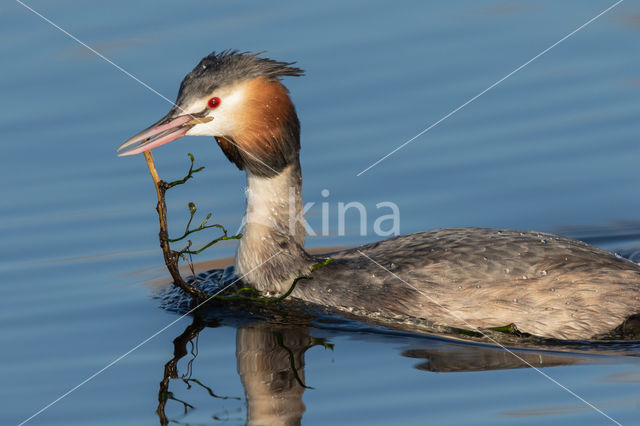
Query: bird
(469, 278)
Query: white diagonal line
(115, 361)
(124, 355)
(490, 87)
(453, 314)
(95, 51)
(127, 73)
(250, 154)
(363, 171)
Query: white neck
(271, 250)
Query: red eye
(214, 102)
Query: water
(553, 148)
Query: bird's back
(478, 278)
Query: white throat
(271, 250)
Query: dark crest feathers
(230, 66)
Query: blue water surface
(554, 147)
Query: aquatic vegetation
(173, 257)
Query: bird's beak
(167, 129)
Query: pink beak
(164, 131)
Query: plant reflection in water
(270, 361)
(271, 364)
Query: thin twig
(189, 173)
(170, 257)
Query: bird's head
(238, 99)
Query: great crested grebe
(544, 284)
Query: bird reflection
(271, 362)
(450, 359)
(271, 368)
